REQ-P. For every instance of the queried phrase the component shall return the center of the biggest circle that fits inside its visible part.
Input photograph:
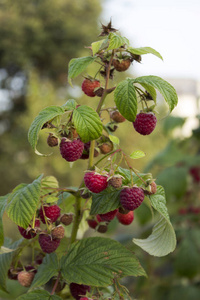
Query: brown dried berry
(106, 147)
(151, 189)
(66, 219)
(116, 182)
(117, 117)
(121, 65)
(102, 228)
(58, 232)
(52, 141)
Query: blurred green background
(38, 38)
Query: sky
(171, 27)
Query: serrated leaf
(105, 201)
(144, 50)
(164, 87)
(96, 46)
(114, 139)
(3, 202)
(47, 184)
(48, 269)
(5, 262)
(70, 105)
(126, 99)
(162, 241)
(117, 41)
(78, 65)
(23, 203)
(136, 180)
(38, 295)
(44, 116)
(87, 123)
(96, 261)
(137, 154)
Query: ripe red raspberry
(195, 173)
(121, 65)
(47, 244)
(88, 87)
(96, 183)
(93, 223)
(117, 117)
(25, 278)
(52, 213)
(109, 216)
(131, 198)
(58, 232)
(71, 150)
(29, 232)
(145, 123)
(78, 290)
(125, 219)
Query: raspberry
(67, 219)
(117, 117)
(131, 198)
(47, 244)
(71, 150)
(25, 278)
(96, 183)
(151, 189)
(58, 232)
(145, 123)
(52, 141)
(88, 87)
(86, 151)
(109, 216)
(92, 223)
(125, 219)
(52, 213)
(29, 232)
(195, 173)
(78, 290)
(122, 65)
(116, 182)
(106, 148)
(102, 228)
(39, 258)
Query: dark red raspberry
(109, 216)
(145, 123)
(25, 278)
(88, 87)
(94, 222)
(71, 150)
(125, 219)
(78, 290)
(117, 117)
(86, 151)
(96, 183)
(52, 213)
(29, 232)
(47, 244)
(121, 65)
(131, 198)
(195, 173)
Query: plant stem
(91, 156)
(55, 285)
(77, 219)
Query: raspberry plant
(83, 268)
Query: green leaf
(47, 184)
(78, 65)
(3, 201)
(114, 139)
(87, 123)
(137, 154)
(48, 269)
(162, 241)
(23, 202)
(126, 99)
(70, 105)
(136, 180)
(144, 50)
(38, 295)
(150, 89)
(96, 261)
(117, 41)
(105, 201)
(5, 262)
(96, 46)
(47, 114)
(164, 87)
